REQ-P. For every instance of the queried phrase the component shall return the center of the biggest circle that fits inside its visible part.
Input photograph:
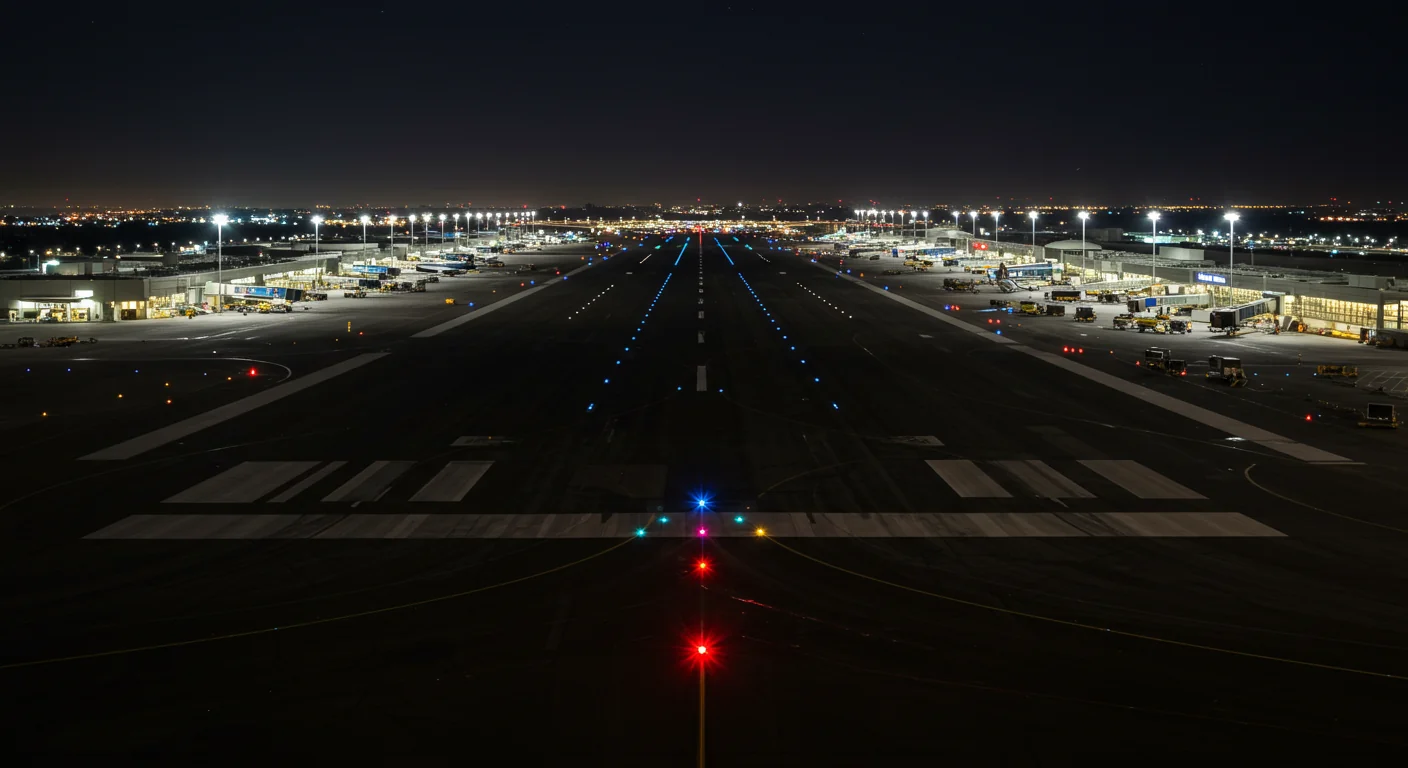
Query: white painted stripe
(370, 483)
(701, 383)
(351, 485)
(453, 481)
(1231, 426)
(1139, 479)
(701, 337)
(967, 480)
(701, 314)
(187, 427)
(307, 482)
(242, 483)
(776, 524)
(436, 330)
(1045, 481)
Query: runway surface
(395, 525)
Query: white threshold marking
(307, 482)
(242, 483)
(701, 314)
(701, 383)
(1231, 426)
(187, 427)
(436, 330)
(453, 481)
(967, 480)
(701, 337)
(358, 525)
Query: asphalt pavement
(396, 525)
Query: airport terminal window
(1336, 311)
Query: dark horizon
(298, 108)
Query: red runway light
(703, 532)
(252, 372)
(702, 650)
(702, 565)
(1307, 417)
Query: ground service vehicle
(1029, 308)
(1085, 314)
(1339, 371)
(1380, 415)
(1150, 324)
(1065, 295)
(1157, 358)
(1227, 370)
(1056, 310)
(1124, 321)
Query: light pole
(926, 226)
(391, 225)
(995, 214)
(955, 218)
(974, 216)
(411, 217)
(1083, 215)
(220, 220)
(1231, 242)
(317, 220)
(1032, 215)
(1154, 238)
(442, 229)
(457, 229)
(364, 220)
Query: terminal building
(1328, 301)
(91, 290)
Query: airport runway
(453, 532)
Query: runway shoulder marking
(194, 527)
(436, 330)
(1227, 424)
(187, 427)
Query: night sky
(423, 103)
